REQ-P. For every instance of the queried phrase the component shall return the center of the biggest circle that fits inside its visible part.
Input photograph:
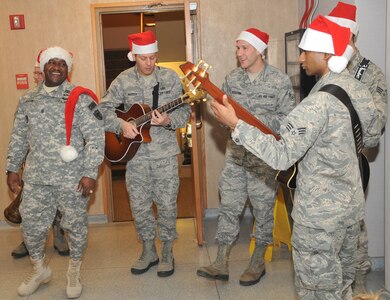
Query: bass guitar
(121, 149)
(198, 77)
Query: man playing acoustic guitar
(152, 173)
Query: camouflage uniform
(270, 98)
(329, 199)
(49, 182)
(374, 79)
(152, 174)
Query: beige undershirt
(252, 76)
(49, 89)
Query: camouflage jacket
(318, 132)
(269, 98)
(130, 88)
(39, 134)
(374, 79)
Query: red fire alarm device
(16, 21)
(21, 81)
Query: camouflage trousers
(236, 184)
(38, 210)
(363, 261)
(324, 263)
(155, 181)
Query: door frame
(192, 51)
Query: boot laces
(33, 272)
(31, 275)
(73, 276)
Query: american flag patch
(381, 91)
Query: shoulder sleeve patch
(92, 105)
(98, 115)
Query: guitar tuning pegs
(198, 65)
(206, 67)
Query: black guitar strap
(342, 95)
(362, 68)
(155, 95)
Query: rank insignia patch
(295, 131)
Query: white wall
(387, 164)
(371, 16)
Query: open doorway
(170, 32)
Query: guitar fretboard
(164, 108)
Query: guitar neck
(241, 112)
(164, 108)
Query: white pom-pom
(68, 153)
(130, 56)
(337, 63)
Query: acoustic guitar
(199, 78)
(121, 149)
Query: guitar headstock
(193, 79)
(195, 76)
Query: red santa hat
(255, 37)
(142, 43)
(69, 153)
(326, 36)
(344, 14)
(55, 52)
(38, 58)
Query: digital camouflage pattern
(317, 276)
(269, 98)
(152, 174)
(374, 79)
(329, 195)
(37, 137)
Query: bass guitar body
(119, 148)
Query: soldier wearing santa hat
(329, 197)
(59, 240)
(267, 93)
(58, 132)
(373, 78)
(152, 174)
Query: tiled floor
(113, 247)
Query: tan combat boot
(39, 275)
(20, 251)
(60, 243)
(220, 268)
(74, 287)
(148, 258)
(166, 266)
(256, 268)
(359, 285)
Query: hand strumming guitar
(224, 112)
(129, 129)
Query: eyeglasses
(37, 73)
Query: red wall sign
(21, 81)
